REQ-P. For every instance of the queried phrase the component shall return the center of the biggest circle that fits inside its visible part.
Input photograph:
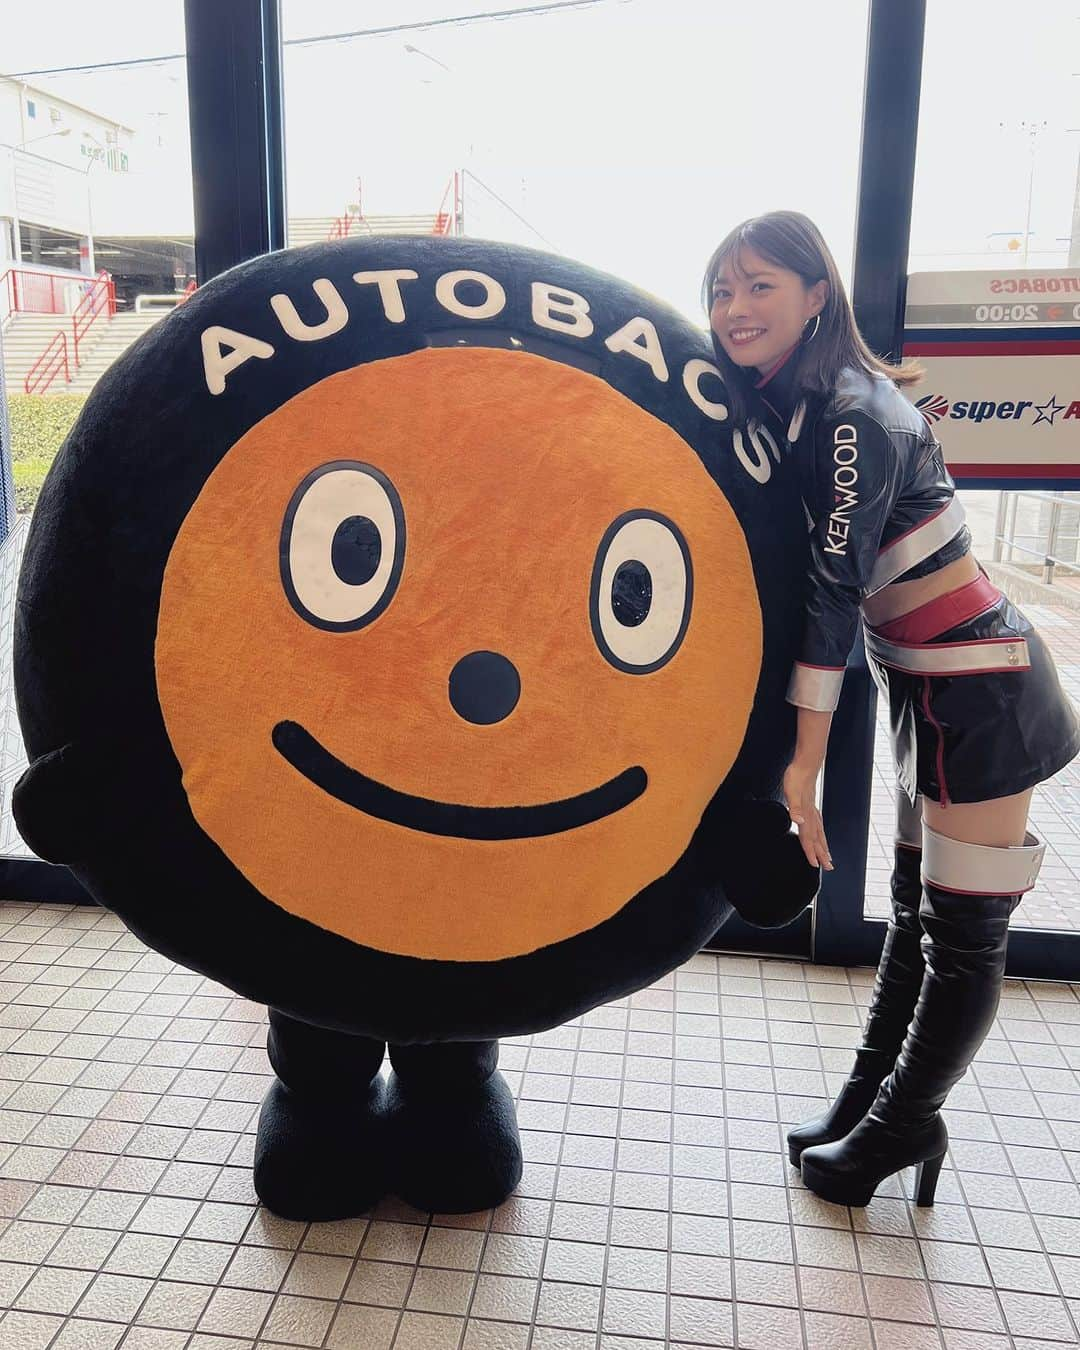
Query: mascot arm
(57, 805)
(761, 864)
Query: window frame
(234, 71)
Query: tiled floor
(657, 1205)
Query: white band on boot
(979, 869)
(909, 822)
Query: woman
(977, 714)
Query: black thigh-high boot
(896, 989)
(452, 1126)
(320, 1152)
(969, 892)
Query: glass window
(997, 191)
(999, 138)
(96, 235)
(96, 199)
(631, 137)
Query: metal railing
(1006, 533)
(444, 222)
(100, 298)
(38, 292)
(342, 225)
(49, 364)
(448, 222)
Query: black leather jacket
(882, 508)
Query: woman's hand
(800, 793)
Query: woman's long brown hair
(791, 240)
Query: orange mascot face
(453, 649)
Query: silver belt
(950, 658)
(919, 543)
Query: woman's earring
(817, 325)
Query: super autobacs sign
(1015, 407)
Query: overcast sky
(630, 133)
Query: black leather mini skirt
(976, 711)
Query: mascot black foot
(452, 1129)
(320, 1153)
(432, 621)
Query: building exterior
(55, 156)
(82, 192)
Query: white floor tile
(658, 1205)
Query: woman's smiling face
(759, 309)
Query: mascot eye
(642, 587)
(342, 546)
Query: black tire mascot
(401, 641)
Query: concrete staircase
(307, 230)
(27, 335)
(316, 229)
(115, 337)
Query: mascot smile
(413, 663)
